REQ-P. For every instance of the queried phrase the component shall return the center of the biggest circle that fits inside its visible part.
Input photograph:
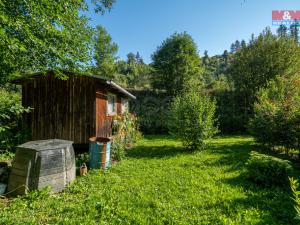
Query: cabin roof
(66, 74)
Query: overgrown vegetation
(11, 110)
(233, 78)
(37, 36)
(277, 114)
(126, 134)
(296, 195)
(267, 170)
(260, 61)
(159, 183)
(236, 76)
(192, 119)
(81, 159)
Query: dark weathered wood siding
(61, 108)
(72, 109)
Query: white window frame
(114, 112)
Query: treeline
(233, 78)
(132, 72)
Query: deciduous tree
(105, 53)
(39, 35)
(176, 62)
(253, 66)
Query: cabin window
(125, 105)
(111, 104)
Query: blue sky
(141, 25)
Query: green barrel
(99, 152)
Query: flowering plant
(126, 133)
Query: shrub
(118, 148)
(192, 119)
(296, 195)
(277, 113)
(268, 170)
(126, 133)
(11, 111)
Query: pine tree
(139, 59)
(252, 39)
(282, 31)
(294, 31)
(243, 44)
(225, 56)
(232, 48)
(237, 45)
(205, 59)
(131, 58)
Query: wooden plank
(73, 109)
(119, 105)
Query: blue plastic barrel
(99, 152)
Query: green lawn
(159, 183)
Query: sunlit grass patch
(160, 183)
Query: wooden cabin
(71, 106)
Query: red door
(103, 122)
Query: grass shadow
(231, 155)
(157, 146)
(155, 151)
(276, 202)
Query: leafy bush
(268, 170)
(118, 148)
(126, 133)
(260, 61)
(82, 158)
(6, 155)
(192, 119)
(277, 113)
(296, 195)
(11, 111)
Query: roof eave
(119, 88)
(109, 82)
